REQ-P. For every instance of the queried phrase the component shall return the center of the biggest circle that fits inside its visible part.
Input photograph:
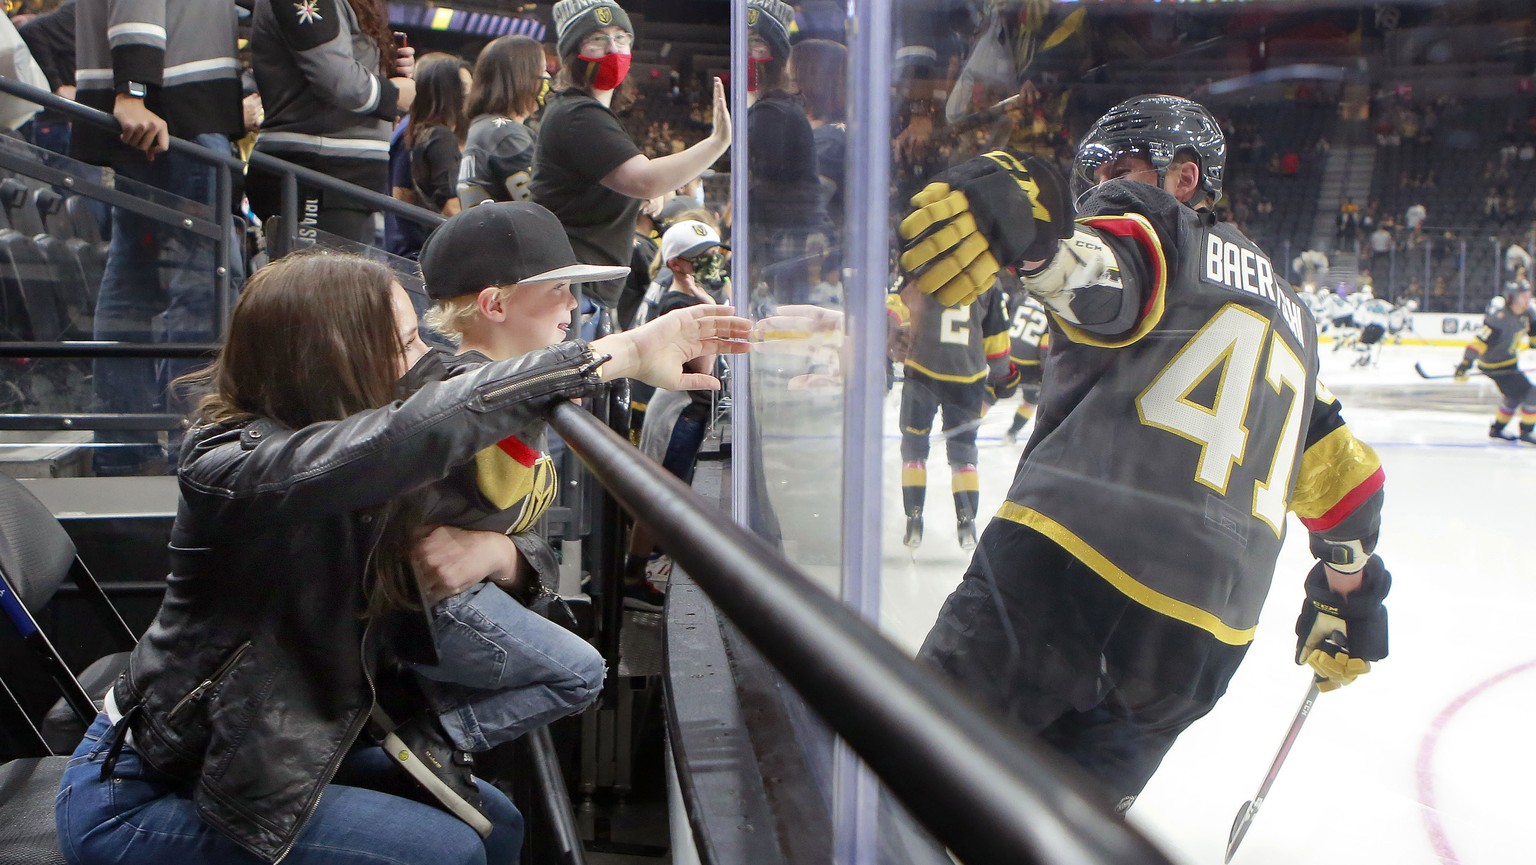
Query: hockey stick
(1419, 368)
(1250, 808)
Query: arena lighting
(442, 18)
(1293, 72)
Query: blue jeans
(153, 270)
(503, 669)
(140, 815)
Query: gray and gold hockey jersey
(1028, 330)
(497, 164)
(958, 343)
(1497, 344)
(1175, 434)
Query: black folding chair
(36, 556)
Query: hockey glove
(1361, 618)
(978, 217)
(1007, 386)
(1461, 370)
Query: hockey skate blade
(1240, 826)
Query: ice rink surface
(1423, 760)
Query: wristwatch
(132, 88)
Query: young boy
(500, 276)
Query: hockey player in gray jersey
(1496, 350)
(959, 354)
(1029, 338)
(1115, 592)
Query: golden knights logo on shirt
(514, 476)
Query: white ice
(1420, 761)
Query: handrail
(375, 200)
(982, 792)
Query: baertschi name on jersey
(1242, 269)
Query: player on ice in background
(958, 360)
(1118, 588)
(1029, 337)
(1496, 350)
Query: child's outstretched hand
(656, 351)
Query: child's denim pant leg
(504, 670)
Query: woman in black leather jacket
(234, 734)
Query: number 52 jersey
(1182, 418)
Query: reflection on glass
(1369, 202)
(795, 291)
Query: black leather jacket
(258, 671)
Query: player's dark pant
(1519, 395)
(1041, 638)
(959, 404)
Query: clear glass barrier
(1378, 157)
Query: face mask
(607, 72)
(543, 91)
(752, 64)
(709, 274)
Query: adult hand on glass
(656, 351)
(722, 130)
(449, 561)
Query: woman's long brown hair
(373, 21)
(439, 100)
(313, 339)
(508, 76)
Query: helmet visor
(1094, 155)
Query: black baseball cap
(502, 243)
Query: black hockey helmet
(1157, 127)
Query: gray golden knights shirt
(959, 343)
(1166, 457)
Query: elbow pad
(1077, 279)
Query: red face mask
(610, 71)
(752, 64)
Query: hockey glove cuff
(1361, 618)
(1461, 370)
(1007, 386)
(978, 217)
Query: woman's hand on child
(450, 561)
(656, 351)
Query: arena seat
(36, 556)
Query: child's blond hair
(451, 317)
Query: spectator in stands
(51, 39)
(295, 538)
(1348, 223)
(1527, 152)
(1493, 204)
(438, 123)
(588, 170)
(510, 85)
(403, 237)
(819, 70)
(162, 68)
(1290, 164)
(17, 64)
(331, 81)
(789, 205)
(1415, 215)
(1381, 248)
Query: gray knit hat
(772, 19)
(575, 20)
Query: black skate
(1528, 436)
(1498, 432)
(914, 535)
(966, 529)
